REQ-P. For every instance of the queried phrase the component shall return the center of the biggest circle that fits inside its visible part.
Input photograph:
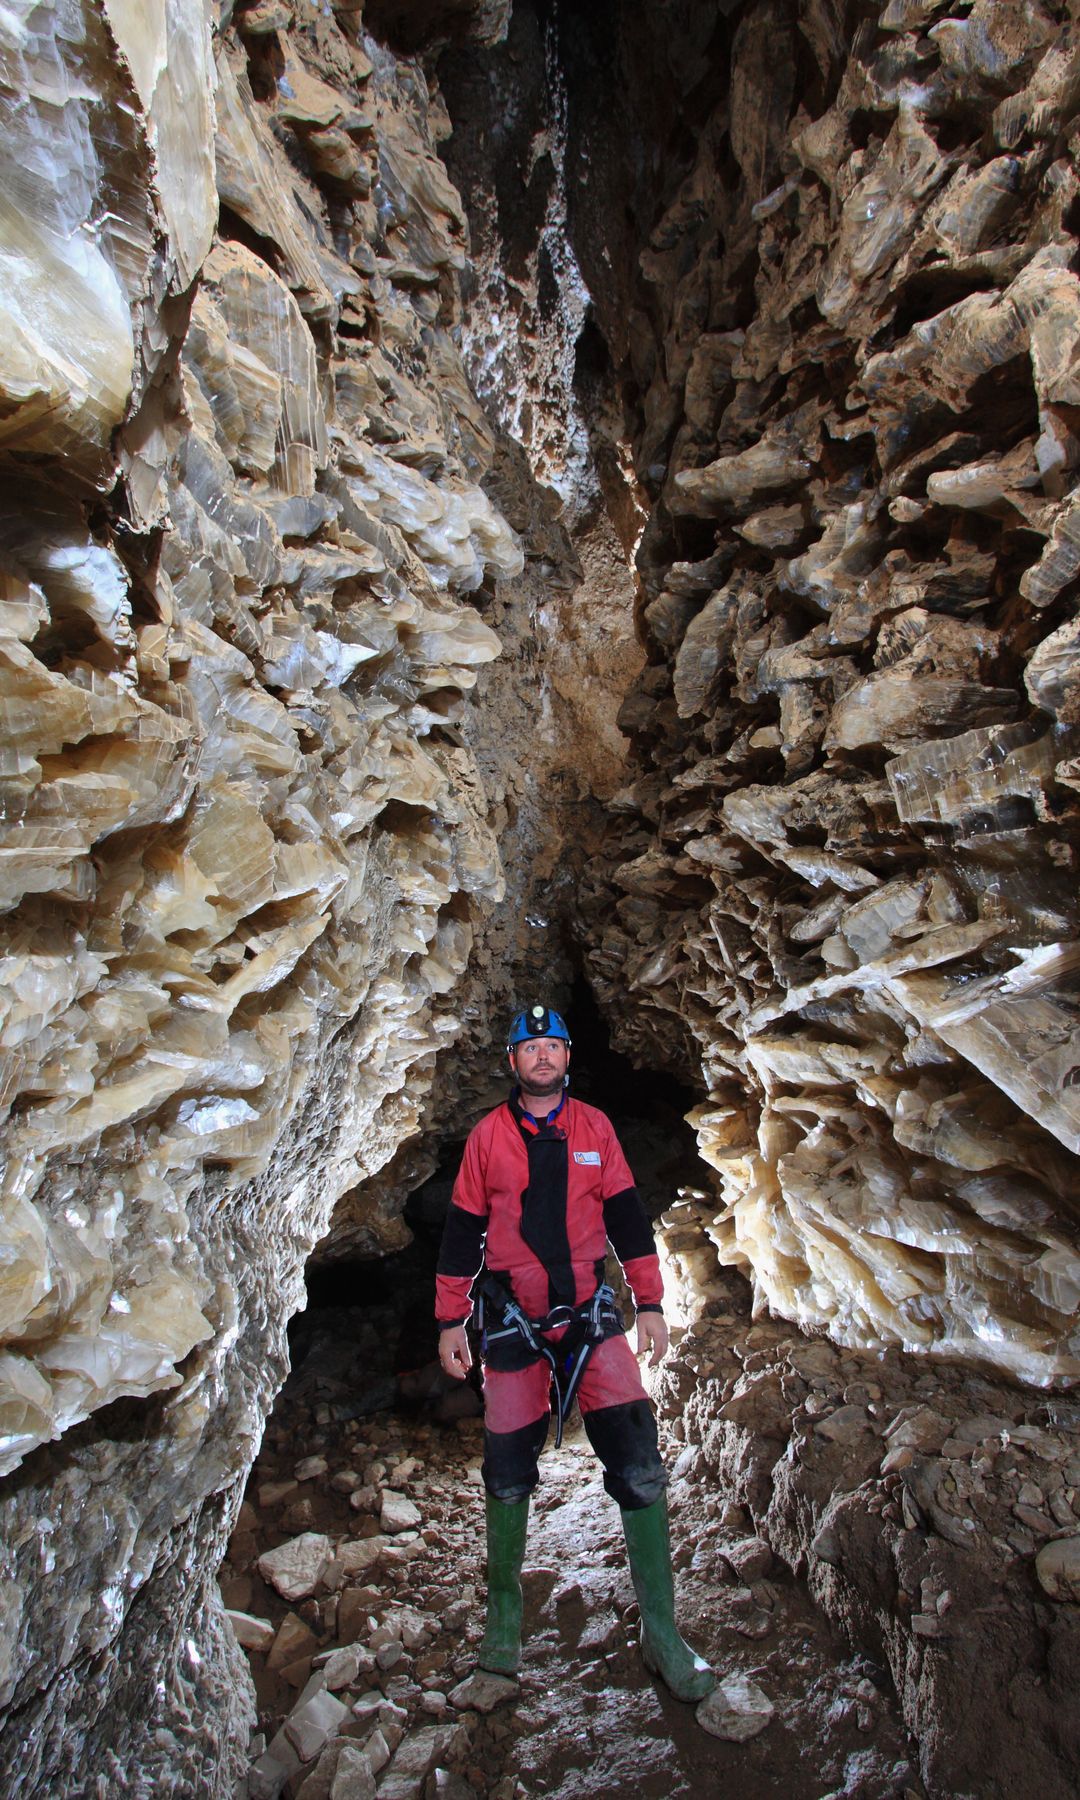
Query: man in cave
(543, 1187)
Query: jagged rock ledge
(923, 1508)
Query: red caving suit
(539, 1200)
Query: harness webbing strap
(587, 1326)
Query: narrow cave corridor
(560, 498)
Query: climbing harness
(504, 1326)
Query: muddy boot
(666, 1654)
(507, 1523)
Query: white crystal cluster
(843, 888)
(237, 818)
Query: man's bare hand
(454, 1352)
(652, 1334)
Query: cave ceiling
(490, 492)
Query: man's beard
(543, 1086)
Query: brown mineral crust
(840, 883)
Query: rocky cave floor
(369, 1652)
(931, 1509)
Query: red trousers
(611, 1378)
(615, 1412)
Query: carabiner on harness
(599, 1316)
(586, 1326)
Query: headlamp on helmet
(537, 1022)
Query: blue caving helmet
(534, 1022)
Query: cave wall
(831, 254)
(250, 837)
(315, 629)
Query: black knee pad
(624, 1438)
(509, 1468)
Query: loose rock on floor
(366, 1687)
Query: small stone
(1038, 1522)
(737, 1709)
(345, 1481)
(264, 17)
(251, 1633)
(844, 1425)
(299, 1516)
(461, 1609)
(377, 1750)
(393, 1734)
(341, 1669)
(388, 1656)
(434, 1702)
(686, 1462)
(1021, 1541)
(409, 1626)
(294, 1568)
(956, 1448)
(341, 1773)
(398, 1514)
(272, 1493)
(750, 1558)
(482, 1692)
(919, 1427)
(357, 1555)
(316, 1715)
(293, 1640)
(298, 1673)
(826, 1543)
(1057, 1567)
(414, 1760)
(266, 1777)
(756, 1624)
(354, 1778)
(310, 1467)
(353, 1613)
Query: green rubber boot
(507, 1524)
(648, 1544)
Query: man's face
(540, 1064)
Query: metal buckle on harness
(595, 1315)
(598, 1317)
